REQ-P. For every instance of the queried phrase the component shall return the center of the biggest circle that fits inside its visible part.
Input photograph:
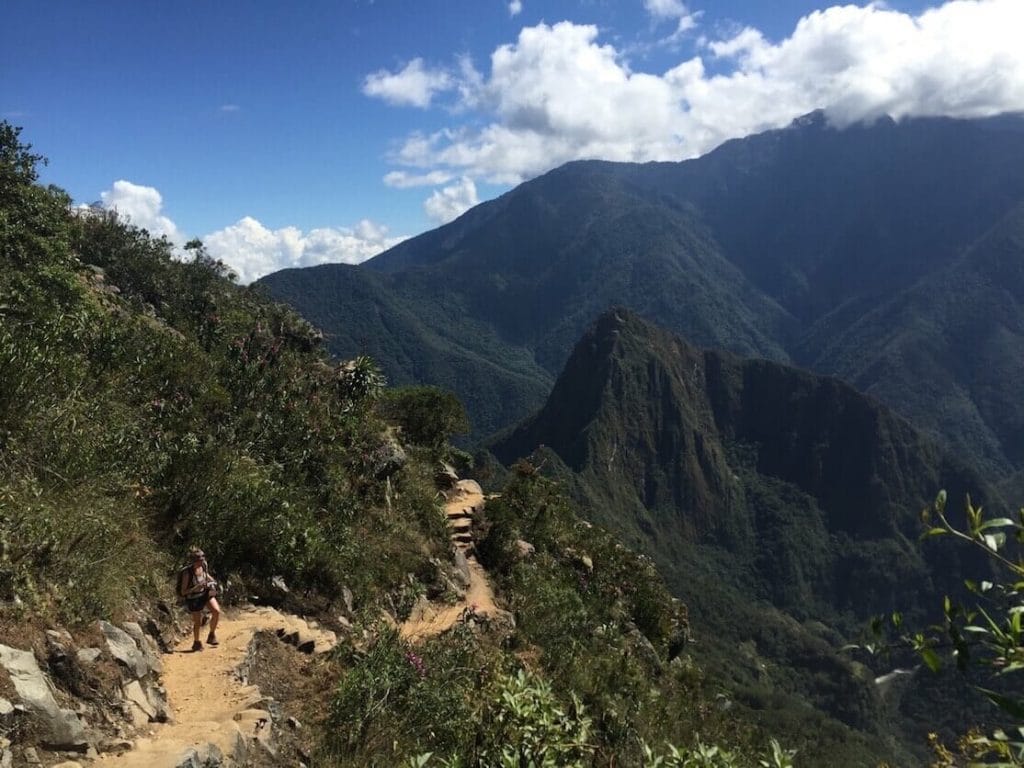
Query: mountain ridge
(776, 245)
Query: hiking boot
(212, 639)
(197, 646)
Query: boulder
(524, 549)
(65, 730)
(123, 648)
(206, 756)
(147, 645)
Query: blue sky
(289, 134)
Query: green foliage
(429, 417)
(398, 700)
(989, 632)
(148, 403)
(527, 726)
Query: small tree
(428, 416)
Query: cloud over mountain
(452, 201)
(254, 250)
(559, 93)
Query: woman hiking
(199, 589)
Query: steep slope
(782, 506)
(432, 339)
(774, 246)
(800, 478)
(950, 349)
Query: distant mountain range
(888, 254)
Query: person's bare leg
(214, 617)
(197, 622)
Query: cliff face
(812, 489)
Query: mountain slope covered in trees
(785, 245)
(783, 507)
(147, 403)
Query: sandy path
(429, 620)
(208, 701)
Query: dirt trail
(208, 701)
(428, 619)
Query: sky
(293, 134)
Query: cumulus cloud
(143, 207)
(515, 7)
(253, 250)
(558, 93)
(449, 203)
(674, 10)
(414, 85)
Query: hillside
(148, 403)
(783, 507)
(782, 245)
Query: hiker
(197, 587)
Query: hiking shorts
(196, 604)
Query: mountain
(783, 507)
(149, 404)
(799, 477)
(786, 245)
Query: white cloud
(672, 9)
(229, 108)
(414, 85)
(449, 203)
(515, 7)
(405, 180)
(557, 93)
(143, 207)
(253, 250)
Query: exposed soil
(209, 702)
(433, 619)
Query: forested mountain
(148, 403)
(782, 506)
(796, 245)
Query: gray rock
(31, 756)
(88, 655)
(347, 598)
(6, 758)
(279, 583)
(524, 549)
(6, 708)
(115, 745)
(462, 568)
(65, 729)
(123, 648)
(135, 694)
(147, 645)
(206, 756)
